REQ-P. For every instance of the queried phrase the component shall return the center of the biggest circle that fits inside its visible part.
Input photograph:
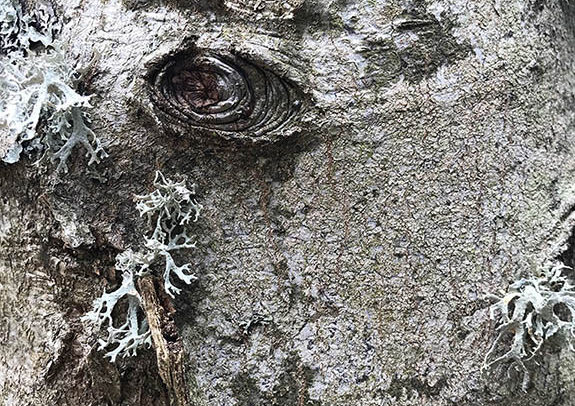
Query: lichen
(532, 311)
(35, 88)
(22, 32)
(169, 209)
(131, 334)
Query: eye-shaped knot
(227, 94)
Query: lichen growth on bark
(36, 89)
(531, 312)
(169, 209)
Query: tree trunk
(421, 158)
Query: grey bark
(343, 264)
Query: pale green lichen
(169, 209)
(532, 311)
(35, 88)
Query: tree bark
(341, 260)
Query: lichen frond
(132, 333)
(531, 313)
(37, 87)
(19, 30)
(130, 336)
(169, 209)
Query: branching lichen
(131, 334)
(169, 209)
(35, 87)
(532, 311)
(22, 32)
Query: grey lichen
(130, 335)
(532, 311)
(169, 209)
(19, 31)
(36, 85)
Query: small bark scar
(167, 342)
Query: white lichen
(22, 32)
(132, 333)
(169, 209)
(533, 310)
(35, 89)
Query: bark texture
(343, 261)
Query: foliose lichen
(530, 313)
(39, 108)
(23, 32)
(134, 332)
(170, 209)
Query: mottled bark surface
(343, 263)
